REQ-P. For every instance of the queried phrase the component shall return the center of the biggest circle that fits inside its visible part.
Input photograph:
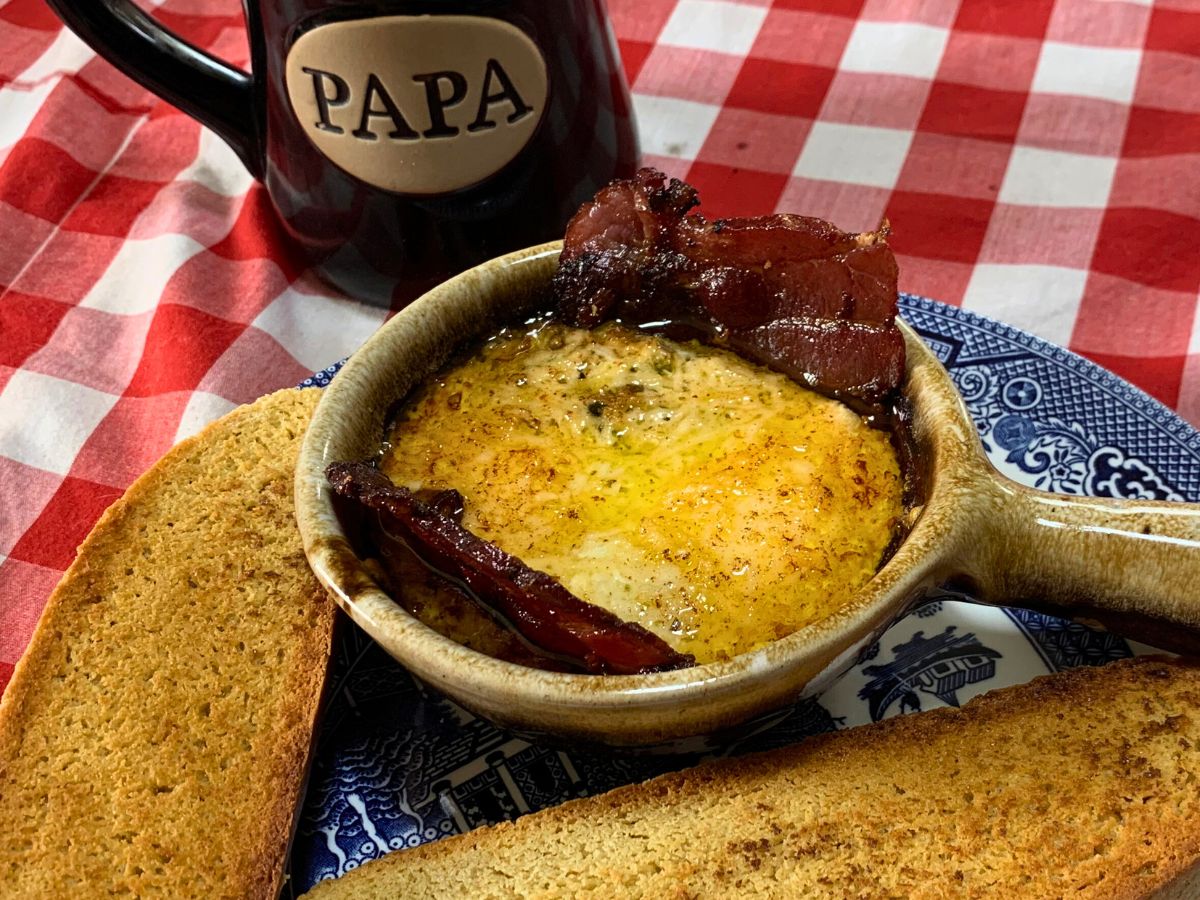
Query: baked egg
(712, 501)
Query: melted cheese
(716, 503)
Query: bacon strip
(790, 292)
(540, 609)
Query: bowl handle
(1131, 566)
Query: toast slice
(1084, 784)
(155, 736)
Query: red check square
(26, 188)
(31, 14)
(973, 112)
(1028, 19)
(729, 191)
(998, 61)
(26, 322)
(1149, 247)
(744, 139)
(938, 278)
(799, 36)
(64, 523)
(181, 346)
(963, 167)
(1160, 377)
(789, 89)
(850, 8)
(112, 206)
(1175, 30)
(938, 226)
(1157, 132)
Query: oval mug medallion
(418, 104)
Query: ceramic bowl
(1134, 566)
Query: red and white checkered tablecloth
(1039, 161)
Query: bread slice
(1082, 784)
(154, 737)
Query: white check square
(1043, 300)
(713, 25)
(1106, 73)
(66, 55)
(136, 277)
(859, 154)
(1037, 177)
(50, 442)
(1194, 345)
(217, 167)
(20, 107)
(670, 127)
(895, 48)
(202, 408)
(298, 321)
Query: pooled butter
(716, 503)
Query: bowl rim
(478, 680)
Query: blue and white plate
(398, 765)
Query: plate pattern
(1053, 420)
(398, 765)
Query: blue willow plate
(398, 765)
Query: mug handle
(210, 90)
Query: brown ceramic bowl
(1133, 566)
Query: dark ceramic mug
(400, 140)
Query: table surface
(1039, 161)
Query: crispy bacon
(540, 609)
(790, 292)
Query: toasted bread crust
(155, 736)
(1081, 784)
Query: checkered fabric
(1039, 161)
